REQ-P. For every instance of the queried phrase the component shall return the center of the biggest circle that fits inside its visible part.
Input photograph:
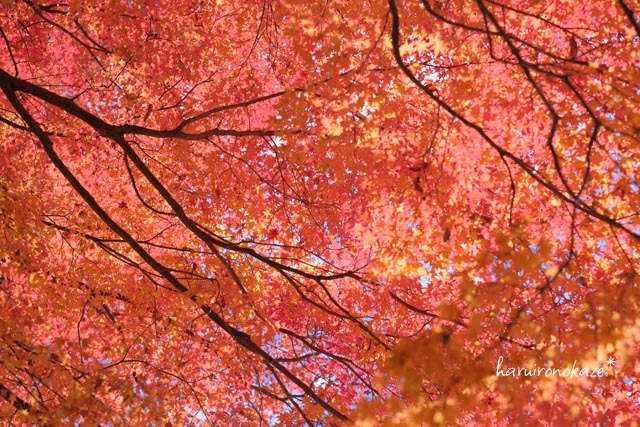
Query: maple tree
(320, 213)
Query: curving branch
(241, 338)
(433, 95)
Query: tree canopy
(319, 213)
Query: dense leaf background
(318, 213)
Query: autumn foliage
(261, 213)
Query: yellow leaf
(37, 279)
